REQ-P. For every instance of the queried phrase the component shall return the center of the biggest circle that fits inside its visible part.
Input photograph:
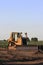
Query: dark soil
(19, 57)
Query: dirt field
(19, 57)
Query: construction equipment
(16, 39)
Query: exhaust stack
(26, 35)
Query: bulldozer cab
(15, 38)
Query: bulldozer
(16, 39)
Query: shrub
(34, 39)
(3, 44)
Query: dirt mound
(20, 57)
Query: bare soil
(19, 57)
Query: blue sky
(21, 15)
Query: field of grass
(36, 43)
(4, 43)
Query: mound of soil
(30, 57)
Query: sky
(21, 16)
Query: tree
(34, 39)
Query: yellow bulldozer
(16, 39)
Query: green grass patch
(3, 44)
(36, 43)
